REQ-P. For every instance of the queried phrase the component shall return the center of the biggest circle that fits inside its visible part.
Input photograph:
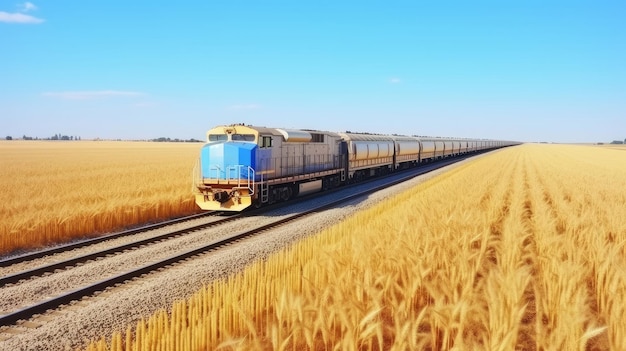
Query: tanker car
(242, 165)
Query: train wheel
(286, 193)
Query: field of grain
(522, 249)
(55, 192)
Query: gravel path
(73, 328)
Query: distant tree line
(64, 137)
(54, 137)
(76, 138)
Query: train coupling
(221, 196)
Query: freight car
(242, 166)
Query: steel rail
(62, 248)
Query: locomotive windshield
(218, 137)
(243, 137)
(233, 137)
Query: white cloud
(27, 6)
(18, 18)
(394, 80)
(89, 95)
(245, 107)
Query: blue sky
(516, 70)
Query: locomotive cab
(225, 173)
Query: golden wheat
(522, 249)
(57, 191)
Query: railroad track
(16, 277)
(66, 298)
(84, 243)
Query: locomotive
(243, 165)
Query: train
(241, 165)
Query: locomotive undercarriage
(281, 192)
(287, 191)
(362, 174)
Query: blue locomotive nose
(227, 159)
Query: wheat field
(54, 192)
(521, 249)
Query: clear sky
(518, 70)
